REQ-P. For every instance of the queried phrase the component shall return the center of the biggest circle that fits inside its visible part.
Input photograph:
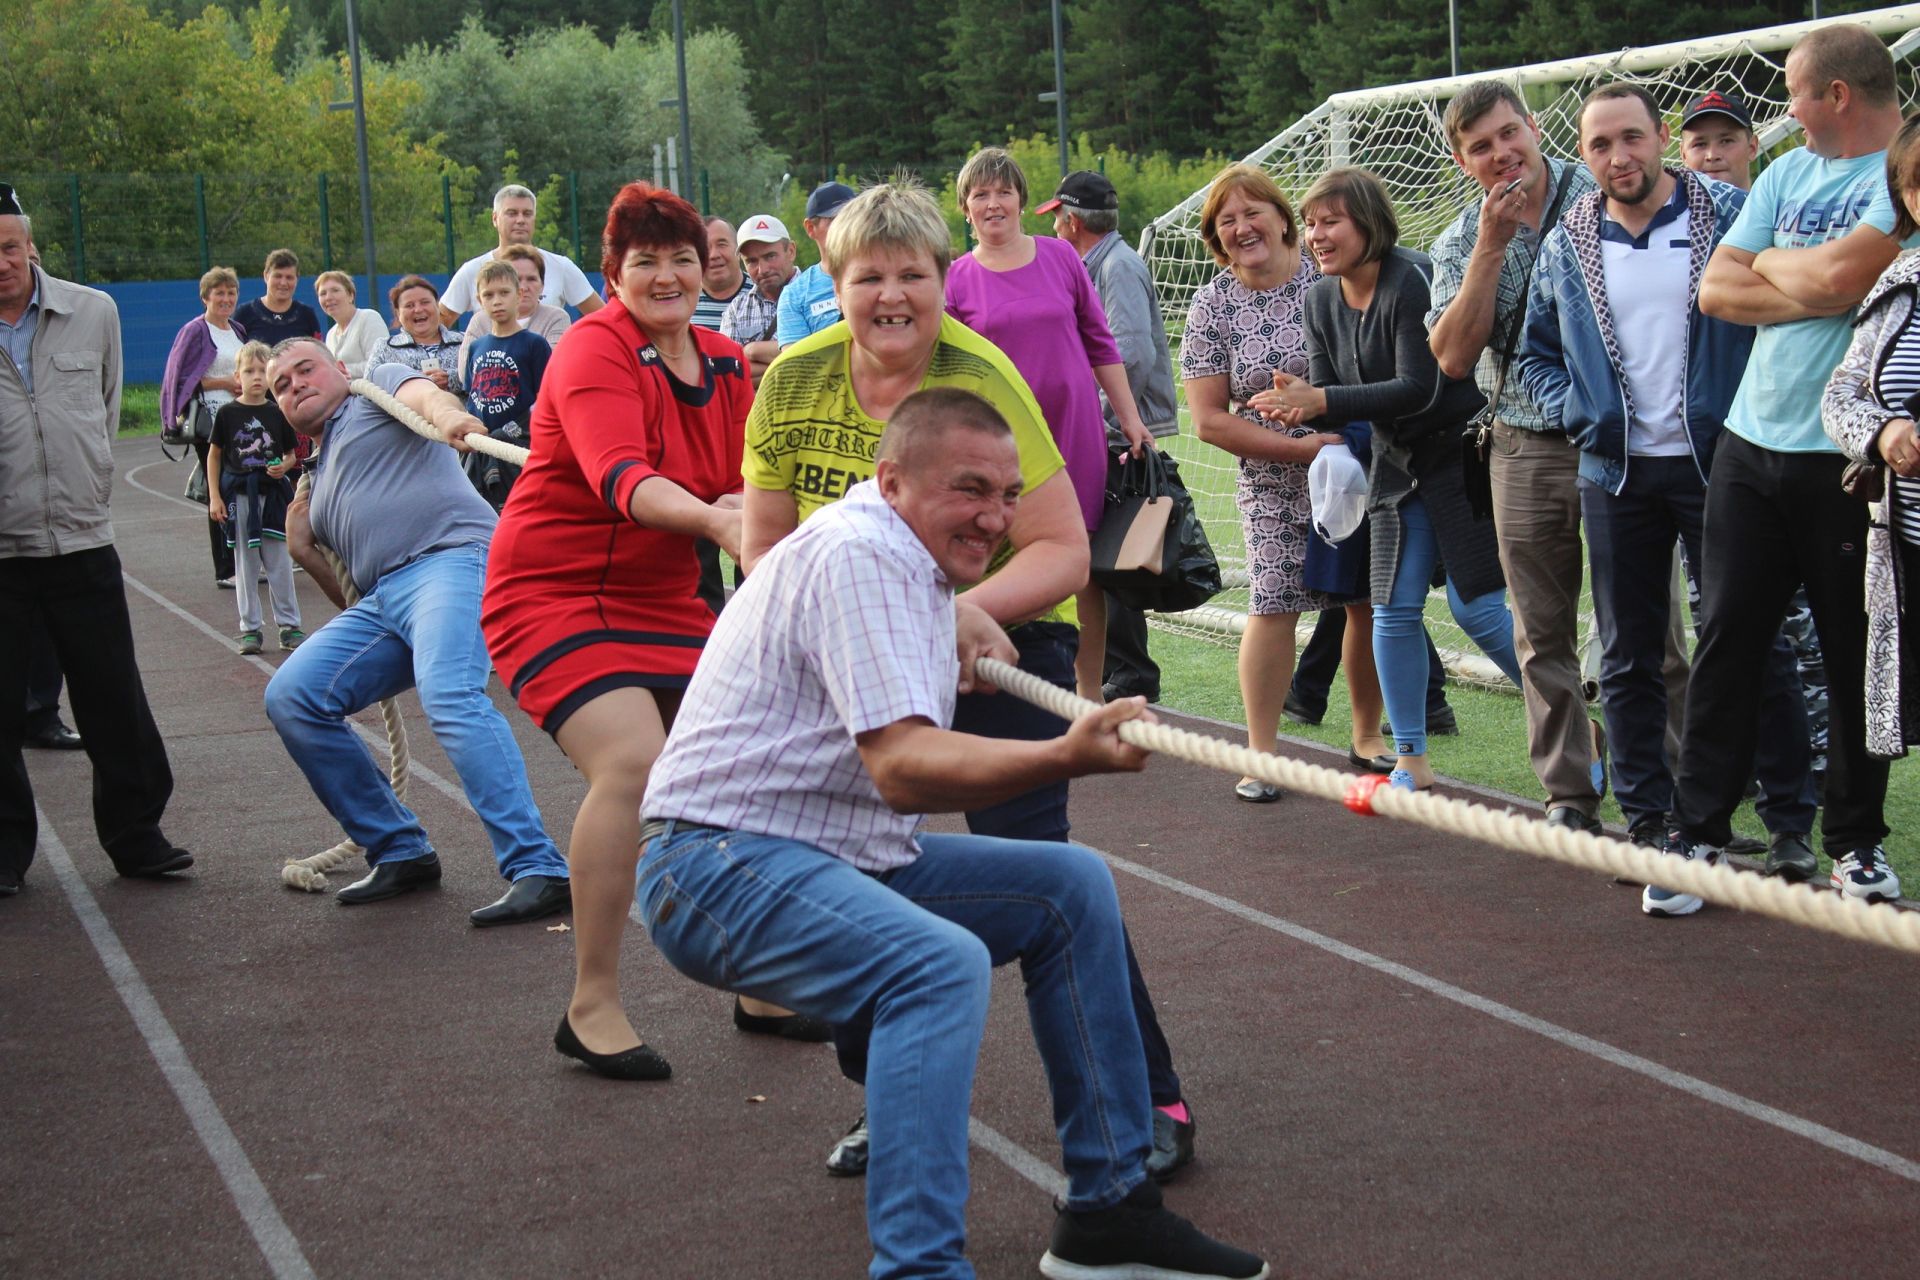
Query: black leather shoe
(848, 1159)
(1746, 846)
(791, 1026)
(167, 860)
(1172, 1145)
(1377, 764)
(1565, 815)
(1790, 857)
(1299, 712)
(530, 898)
(638, 1063)
(1115, 692)
(1441, 722)
(390, 879)
(55, 737)
(9, 882)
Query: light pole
(1059, 95)
(686, 123)
(1453, 33)
(359, 108)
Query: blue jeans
(1630, 541)
(1399, 631)
(420, 627)
(910, 952)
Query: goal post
(1396, 132)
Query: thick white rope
(1799, 904)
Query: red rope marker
(1359, 797)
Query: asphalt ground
(1409, 1055)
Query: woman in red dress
(591, 614)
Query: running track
(1409, 1055)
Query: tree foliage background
(122, 102)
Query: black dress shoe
(159, 864)
(1115, 692)
(55, 737)
(530, 898)
(637, 1063)
(1172, 1145)
(390, 879)
(1790, 857)
(1299, 712)
(1565, 815)
(9, 882)
(791, 1026)
(848, 1159)
(1375, 764)
(1441, 722)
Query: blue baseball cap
(828, 199)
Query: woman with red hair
(591, 614)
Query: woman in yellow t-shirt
(811, 435)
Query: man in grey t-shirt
(400, 513)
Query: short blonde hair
(219, 278)
(340, 278)
(1254, 184)
(990, 164)
(897, 215)
(255, 352)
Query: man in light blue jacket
(1618, 354)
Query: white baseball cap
(1337, 487)
(763, 227)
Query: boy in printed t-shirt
(248, 491)
(504, 368)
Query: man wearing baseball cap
(766, 250)
(1086, 214)
(1717, 139)
(808, 304)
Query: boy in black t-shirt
(248, 491)
(504, 368)
(277, 317)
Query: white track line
(1030, 1167)
(1830, 1138)
(250, 1196)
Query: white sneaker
(1864, 874)
(1656, 901)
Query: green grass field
(140, 409)
(1199, 677)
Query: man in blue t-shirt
(277, 317)
(504, 368)
(413, 535)
(1811, 240)
(808, 303)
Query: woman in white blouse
(356, 331)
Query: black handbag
(1145, 495)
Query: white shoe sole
(1684, 905)
(1060, 1269)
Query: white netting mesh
(1396, 132)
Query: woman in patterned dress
(1244, 330)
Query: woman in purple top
(200, 366)
(1031, 297)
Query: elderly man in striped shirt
(783, 858)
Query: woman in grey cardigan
(1368, 359)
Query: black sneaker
(848, 1159)
(1138, 1239)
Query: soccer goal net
(1396, 132)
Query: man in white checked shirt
(782, 857)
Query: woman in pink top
(1031, 297)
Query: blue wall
(152, 311)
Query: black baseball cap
(10, 202)
(1719, 104)
(1081, 190)
(828, 199)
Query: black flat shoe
(1375, 764)
(792, 1026)
(162, 863)
(391, 879)
(637, 1063)
(529, 898)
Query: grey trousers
(1536, 512)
